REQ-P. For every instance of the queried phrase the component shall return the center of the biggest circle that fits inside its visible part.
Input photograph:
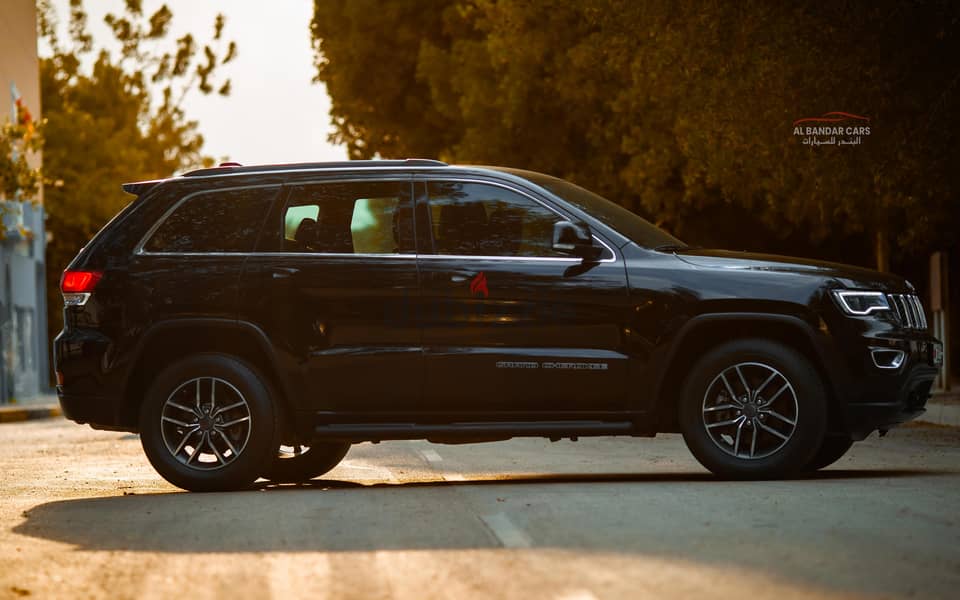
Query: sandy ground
(82, 514)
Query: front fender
(706, 330)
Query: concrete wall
(18, 55)
(24, 362)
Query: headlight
(861, 303)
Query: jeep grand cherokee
(254, 321)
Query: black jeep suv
(256, 321)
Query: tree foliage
(18, 178)
(115, 117)
(20, 140)
(379, 106)
(681, 110)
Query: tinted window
(219, 221)
(476, 219)
(349, 218)
(630, 224)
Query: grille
(909, 310)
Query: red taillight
(79, 282)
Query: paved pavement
(944, 408)
(82, 514)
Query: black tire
(801, 424)
(188, 392)
(313, 461)
(832, 450)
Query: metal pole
(939, 307)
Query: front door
(510, 325)
(334, 285)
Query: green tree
(116, 117)
(678, 109)
(379, 106)
(19, 179)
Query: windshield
(639, 230)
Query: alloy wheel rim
(205, 423)
(750, 410)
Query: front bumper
(888, 397)
(909, 402)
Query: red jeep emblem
(478, 285)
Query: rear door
(510, 325)
(189, 263)
(333, 284)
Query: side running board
(373, 432)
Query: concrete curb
(15, 414)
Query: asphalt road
(82, 514)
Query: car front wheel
(208, 423)
(753, 409)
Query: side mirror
(575, 239)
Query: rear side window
(371, 217)
(217, 221)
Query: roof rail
(425, 162)
(344, 164)
(138, 187)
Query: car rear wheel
(208, 423)
(294, 464)
(753, 409)
(832, 450)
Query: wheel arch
(167, 341)
(704, 332)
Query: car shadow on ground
(335, 515)
(558, 478)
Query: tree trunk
(882, 251)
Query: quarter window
(476, 219)
(218, 221)
(349, 218)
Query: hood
(846, 275)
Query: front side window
(476, 219)
(633, 226)
(217, 221)
(373, 217)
